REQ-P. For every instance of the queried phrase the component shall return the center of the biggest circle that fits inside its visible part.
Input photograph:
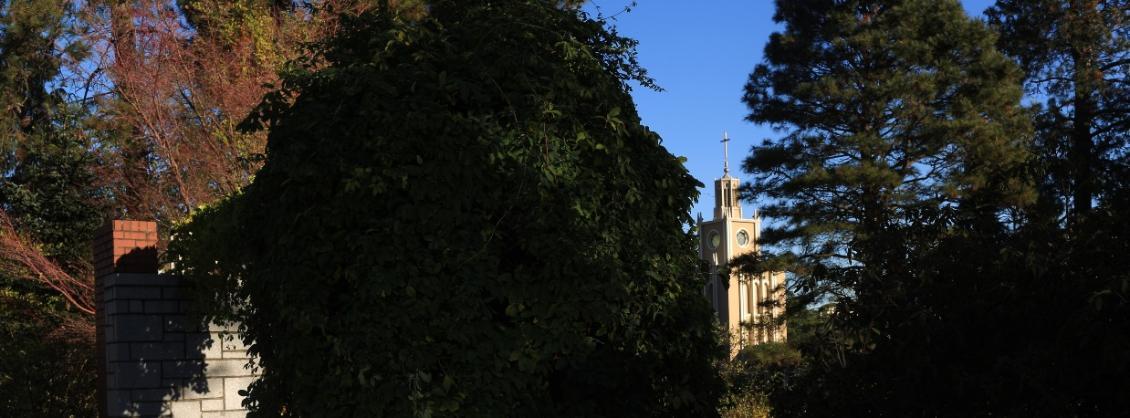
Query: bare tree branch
(21, 258)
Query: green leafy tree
(757, 373)
(47, 365)
(46, 182)
(898, 170)
(461, 215)
(52, 193)
(47, 187)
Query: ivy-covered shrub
(461, 214)
(756, 375)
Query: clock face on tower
(743, 238)
(715, 239)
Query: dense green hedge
(462, 215)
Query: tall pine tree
(903, 142)
(1076, 55)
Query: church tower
(741, 301)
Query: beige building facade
(748, 306)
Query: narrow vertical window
(743, 310)
(750, 299)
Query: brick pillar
(120, 246)
(126, 247)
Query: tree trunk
(1082, 150)
(1084, 58)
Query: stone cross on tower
(725, 153)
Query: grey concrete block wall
(155, 362)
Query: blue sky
(701, 53)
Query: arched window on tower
(769, 293)
(757, 299)
(768, 299)
(741, 306)
(751, 300)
